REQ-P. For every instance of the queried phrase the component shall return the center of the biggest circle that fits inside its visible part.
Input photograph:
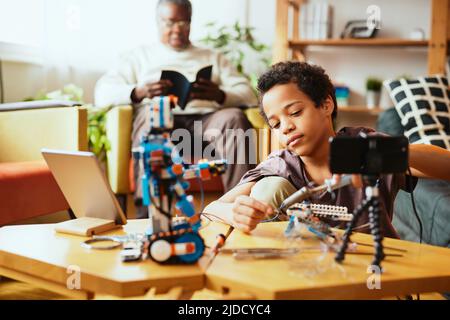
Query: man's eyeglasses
(183, 24)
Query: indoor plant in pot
(373, 87)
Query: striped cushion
(423, 105)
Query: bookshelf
(437, 45)
(376, 42)
(294, 48)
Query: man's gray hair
(186, 4)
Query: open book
(182, 88)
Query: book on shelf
(182, 87)
(315, 21)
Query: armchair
(118, 127)
(27, 187)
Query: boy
(298, 103)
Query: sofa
(432, 199)
(27, 186)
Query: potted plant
(237, 43)
(373, 87)
(98, 142)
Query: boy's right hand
(248, 212)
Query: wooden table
(313, 274)
(36, 254)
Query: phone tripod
(372, 204)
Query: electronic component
(323, 211)
(306, 192)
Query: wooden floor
(15, 290)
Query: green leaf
(232, 39)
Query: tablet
(84, 185)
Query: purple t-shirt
(288, 165)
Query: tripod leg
(374, 219)
(340, 256)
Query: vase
(372, 99)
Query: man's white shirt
(144, 65)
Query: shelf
(376, 42)
(361, 110)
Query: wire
(414, 206)
(202, 194)
(167, 214)
(361, 226)
(208, 215)
(273, 218)
(203, 226)
(415, 211)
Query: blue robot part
(164, 180)
(199, 247)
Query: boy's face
(300, 126)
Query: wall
(21, 80)
(352, 65)
(81, 39)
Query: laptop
(87, 191)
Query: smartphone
(369, 155)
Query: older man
(213, 102)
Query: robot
(170, 238)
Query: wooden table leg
(46, 284)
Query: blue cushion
(432, 198)
(389, 122)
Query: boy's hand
(248, 212)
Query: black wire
(2, 95)
(273, 218)
(208, 215)
(165, 213)
(414, 205)
(202, 194)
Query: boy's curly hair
(310, 79)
